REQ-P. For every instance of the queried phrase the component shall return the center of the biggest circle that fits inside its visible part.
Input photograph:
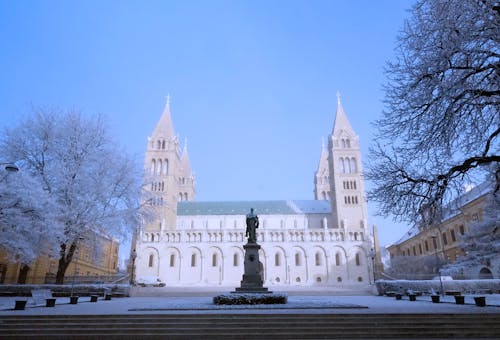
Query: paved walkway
(297, 303)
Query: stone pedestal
(252, 280)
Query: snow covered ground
(296, 303)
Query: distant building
(325, 241)
(92, 261)
(443, 240)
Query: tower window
(358, 260)
(193, 260)
(151, 260)
(214, 260)
(172, 260)
(153, 166)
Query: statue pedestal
(252, 280)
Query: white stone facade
(314, 242)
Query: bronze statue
(252, 225)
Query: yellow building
(89, 265)
(443, 240)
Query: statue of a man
(252, 224)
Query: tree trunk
(23, 274)
(64, 261)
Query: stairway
(252, 326)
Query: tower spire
(164, 128)
(341, 122)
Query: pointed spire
(341, 121)
(323, 159)
(164, 128)
(186, 166)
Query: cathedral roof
(261, 207)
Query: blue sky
(252, 83)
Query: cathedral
(320, 242)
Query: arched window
(297, 259)
(358, 260)
(214, 260)
(158, 167)
(317, 259)
(354, 166)
(337, 259)
(153, 166)
(159, 144)
(347, 143)
(277, 259)
(193, 260)
(152, 237)
(163, 144)
(235, 260)
(341, 164)
(343, 143)
(172, 260)
(165, 166)
(185, 196)
(347, 165)
(180, 196)
(151, 260)
(324, 195)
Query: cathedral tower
(168, 174)
(346, 182)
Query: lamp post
(372, 256)
(435, 239)
(133, 256)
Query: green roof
(260, 207)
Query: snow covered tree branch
(441, 125)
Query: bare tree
(442, 120)
(94, 184)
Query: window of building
(158, 167)
(165, 167)
(461, 230)
(297, 259)
(193, 260)
(354, 166)
(214, 260)
(475, 217)
(426, 245)
(277, 259)
(420, 248)
(317, 259)
(453, 237)
(337, 259)
(414, 251)
(153, 166)
(151, 260)
(235, 260)
(445, 240)
(434, 243)
(358, 260)
(172, 260)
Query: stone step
(253, 326)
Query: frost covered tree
(25, 212)
(94, 184)
(441, 124)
